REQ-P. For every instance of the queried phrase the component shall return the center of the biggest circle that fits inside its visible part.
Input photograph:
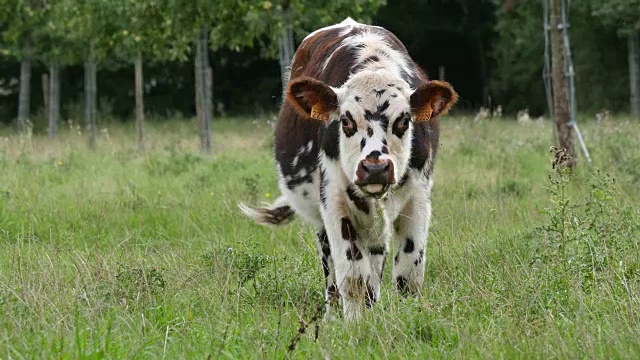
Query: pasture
(114, 254)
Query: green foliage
(262, 21)
(622, 15)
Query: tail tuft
(275, 215)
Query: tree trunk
(560, 85)
(286, 49)
(90, 94)
(203, 90)
(24, 97)
(139, 101)
(45, 92)
(634, 73)
(54, 98)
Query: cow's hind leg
(331, 290)
(411, 231)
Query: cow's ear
(312, 98)
(432, 98)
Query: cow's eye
(404, 122)
(347, 123)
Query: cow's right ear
(312, 98)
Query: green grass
(113, 254)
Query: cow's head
(377, 111)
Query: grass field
(112, 254)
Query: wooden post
(560, 85)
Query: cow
(355, 146)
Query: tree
(89, 25)
(273, 25)
(624, 16)
(145, 30)
(56, 51)
(22, 17)
(559, 80)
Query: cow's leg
(331, 290)
(357, 271)
(411, 232)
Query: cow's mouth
(374, 190)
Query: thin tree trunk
(286, 49)
(203, 83)
(45, 92)
(54, 98)
(139, 101)
(24, 97)
(560, 88)
(90, 93)
(197, 79)
(208, 105)
(634, 72)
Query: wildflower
(267, 195)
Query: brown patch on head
(312, 98)
(432, 98)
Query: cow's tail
(279, 213)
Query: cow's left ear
(312, 98)
(432, 98)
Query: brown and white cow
(355, 146)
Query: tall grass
(112, 253)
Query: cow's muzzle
(375, 176)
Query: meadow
(110, 253)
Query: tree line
(491, 50)
(117, 33)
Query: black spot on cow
(378, 115)
(394, 95)
(363, 142)
(359, 201)
(331, 140)
(377, 250)
(323, 191)
(371, 296)
(370, 131)
(325, 268)
(396, 258)
(305, 193)
(409, 246)
(401, 283)
(379, 93)
(425, 141)
(358, 98)
(391, 85)
(385, 149)
(348, 231)
(383, 107)
(375, 154)
(323, 240)
(403, 180)
(354, 253)
(384, 141)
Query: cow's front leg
(328, 268)
(411, 232)
(356, 276)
